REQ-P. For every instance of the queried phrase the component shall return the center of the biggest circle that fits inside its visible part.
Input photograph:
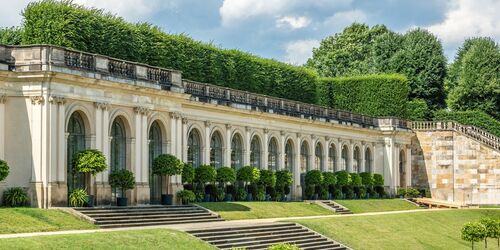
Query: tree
(422, 60)
(4, 170)
(225, 175)
(478, 78)
(90, 161)
(11, 35)
(167, 165)
(492, 230)
(187, 174)
(122, 179)
(383, 49)
(473, 232)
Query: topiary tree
(225, 175)
(167, 165)
(366, 179)
(356, 180)
(124, 180)
(378, 180)
(248, 174)
(89, 161)
(329, 178)
(492, 230)
(284, 179)
(187, 174)
(205, 174)
(4, 170)
(343, 178)
(473, 232)
(313, 179)
(267, 178)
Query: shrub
(15, 197)
(348, 192)
(366, 178)
(122, 179)
(366, 94)
(283, 246)
(186, 196)
(221, 194)
(271, 191)
(252, 189)
(248, 174)
(90, 161)
(473, 232)
(378, 180)
(329, 179)
(267, 178)
(204, 174)
(261, 195)
(211, 189)
(231, 189)
(78, 197)
(4, 170)
(167, 165)
(187, 173)
(313, 177)
(241, 195)
(475, 118)
(492, 229)
(343, 178)
(225, 175)
(309, 191)
(417, 110)
(286, 190)
(283, 178)
(67, 24)
(355, 179)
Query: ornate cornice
(184, 120)
(142, 110)
(229, 126)
(37, 100)
(208, 123)
(57, 100)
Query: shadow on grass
(224, 206)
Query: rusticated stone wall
(455, 167)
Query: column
(297, 189)
(339, 156)
(37, 120)
(56, 145)
(206, 145)
(408, 166)
(362, 166)
(281, 155)
(179, 135)
(184, 139)
(246, 150)
(227, 155)
(137, 162)
(3, 99)
(106, 139)
(326, 155)
(350, 157)
(265, 149)
(145, 147)
(173, 134)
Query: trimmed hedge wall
(474, 118)
(92, 30)
(376, 95)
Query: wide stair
(338, 208)
(113, 217)
(261, 236)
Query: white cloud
(297, 52)
(293, 22)
(342, 19)
(468, 18)
(132, 10)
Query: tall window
(344, 161)
(236, 151)
(273, 155)
(118, 145)
(356, 158)
(368, 160)
(318, 156)
(194, 148)
(289, 156)
(216, 150)
(155, 149)
(402, 170)
(332, 158)
(76, 143)
(255, 152)
(304, 157)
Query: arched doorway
(118, 156)
(402, 169)
(236, 152)
(273, 155)
(332, 158)
(194, 148)
(216, 150)
(75, 143)
(255, 155)
(289, 156)
(155, 149)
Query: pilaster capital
(208, 123)
(229, 126)
(57, 100)
(283, 133)
(37, 100)
(3, 98)
(102, 105)
(327, 139)
(299, 135)
(266, 131)
(313, 137)
(184, 120)
(248, 128)
(142, 110)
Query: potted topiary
(89, 162)
(205, 174)
(329, 180)
(248, 174)
(187, 174)
(226, 175)
(283, 181)
(378, 182)
(367, 181)
(313, 179)
(343, 182)
(356, 184)
(268, 181)
(167, 165)
(186, 196)
(4, 170)
(124, 180)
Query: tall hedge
(71, 25)
(474, 118)
(376, 95)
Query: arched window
(118, 145)
(332, 158)
(216, 150)
(236, 152)
(304, 157)
(318, 157)
(255, 155)
(194, 148)
(273, 155)
(75, 143)
(368, 160)
(155, 149)
(344, 160)
(356, 158)
(289, 156)
(402, 170)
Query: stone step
(242, 228)
(138, 210)
(179, 219)
(140, 215)
(270, 241)
(245, 238)
(299, 243)
(253, 234)
(133, 207)
(156, 223)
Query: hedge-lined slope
(74, 26)
(474, 118)
(377, 95)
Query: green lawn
(489, 206)
(133, 239)
(258, 210)
(422, 230)
(382, 205)
(24, 220)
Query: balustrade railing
(79, 60)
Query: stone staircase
(113, 217)
(261, 236)
(338, 208)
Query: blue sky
(287, 30)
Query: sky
(287, 30)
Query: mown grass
(25, 220)
(420, 230)
(377, 205)
(133, 239)
(259, 210)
